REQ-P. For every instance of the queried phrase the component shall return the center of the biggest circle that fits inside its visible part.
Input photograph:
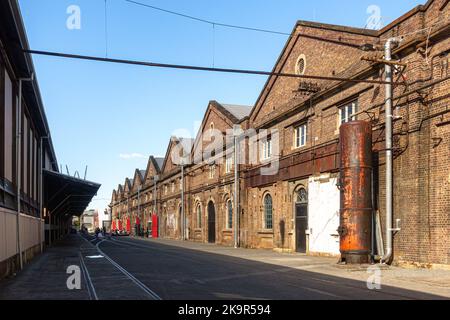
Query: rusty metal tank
(356, 196)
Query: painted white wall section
(323, 215)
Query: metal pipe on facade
(183, 215)
(155, 180)
(18, 169)
(389, 157)
(236, 192)
(139, 210)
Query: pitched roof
(159, 162)
(238, 111)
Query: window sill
(266, 232)
(298, 148)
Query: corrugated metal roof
(239, 111)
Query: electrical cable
(199, 68)
(206, 21)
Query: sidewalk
(45, 277)
(422, 280)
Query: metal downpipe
(389, 155)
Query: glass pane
(268, 212)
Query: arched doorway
(211, 222)
(301, 219)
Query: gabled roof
(376, 34)
(128, 184)
(240, 112)
(173, 141)
(157, 163)
(233, 112)
(138, 178)
(160, 162)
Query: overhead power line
(213, 23)
(199, 68)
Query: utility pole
(183, 215)
(139, 210)
(155, 180)
(236, 190)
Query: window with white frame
(266, 149)
(346, 112)
(173, 187)
(300, 135)
(229, 164)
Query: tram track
(94, 246)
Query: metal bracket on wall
(397, 226)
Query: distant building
(90, 220)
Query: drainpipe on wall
(236, 192)
(183, 215)
(389, 157)
(155, 180)
(139, 211)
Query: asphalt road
(135, 269)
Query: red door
(128, 225)
(155, 226)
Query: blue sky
(98, 112)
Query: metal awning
(66, 195)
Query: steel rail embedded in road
(136, 281)
(87, 278)
(133, 279)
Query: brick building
(297, 208)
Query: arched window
(300, 65)
(302, 196)
(199, 216)
(268, 212)
(229, 214)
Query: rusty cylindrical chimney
(356, 195)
